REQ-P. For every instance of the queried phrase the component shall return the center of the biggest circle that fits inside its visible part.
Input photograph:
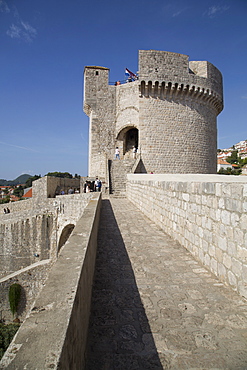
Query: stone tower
(169, 113)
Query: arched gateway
(126, 139)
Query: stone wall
(32, 234)
(25, 238)
(99, 105)
(69, 210)
(19, 206)
(178, 109)
(49, 187)
(207, 214)
(54, 333)
(31, 279)
(177, 138)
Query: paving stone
(154, 306)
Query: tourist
(98, 184)
(134, 150)
(88, 187)
(85, 186)
(117, 153)
(92, 185)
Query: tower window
(97, 72)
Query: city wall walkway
(154, 306)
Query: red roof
(14, 198)
(222, 161)
(28, 194)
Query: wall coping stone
(188, 178)
(30, 267)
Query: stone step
(118, 172)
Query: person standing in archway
(134, 150)
(117, 153)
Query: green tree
(19, 191)
(233, 158)
(242, 162)
(229, 171)
(60, 174)
(5, 200)
(29, 181)
(7, 333)
(14, 297)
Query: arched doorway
(65, 236)
(129, 138)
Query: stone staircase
(118, 170)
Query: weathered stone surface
(171, 109)
(31, 237)
(165, 310)
(53, 336)
(214, 234)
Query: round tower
(178, 105)
(169, 114)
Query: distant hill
(19, 180)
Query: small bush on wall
(14, 297)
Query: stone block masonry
(54, 334)
(32, 279)
(169, 112)
(33, 234)
(207, 214)
(36, 230)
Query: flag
(130, 74)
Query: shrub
(7, 333)
(14, 297)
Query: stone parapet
(32, 234)
(50, 186)
(207, 214)
(176, 69)
(54, 334)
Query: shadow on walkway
(119, 333)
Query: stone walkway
(154, 306)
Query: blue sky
(44, 46)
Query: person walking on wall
(97, 184)
(117, 153)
